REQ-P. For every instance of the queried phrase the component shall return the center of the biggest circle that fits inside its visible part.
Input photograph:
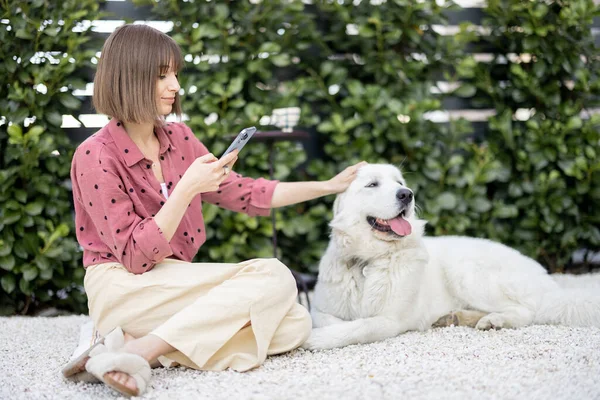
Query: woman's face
(167, 86)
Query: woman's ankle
(149, 347)
(128, 337)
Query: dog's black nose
(404, 195)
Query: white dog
(380, 277)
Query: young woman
(138, 186)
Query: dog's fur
(373, 285)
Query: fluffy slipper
(75, 370)
(103, 361)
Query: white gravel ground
(537, 362)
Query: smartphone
(240, 141)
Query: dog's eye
(373, 184)
(401, 184)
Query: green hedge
(362, 75)
(550, 176)
(40, 261)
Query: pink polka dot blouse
(116, 196)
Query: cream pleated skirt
(203, 310)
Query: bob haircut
(132, 59)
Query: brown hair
(132, 59)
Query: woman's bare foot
(121, 377)
(148, 347)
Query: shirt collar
(128, 149)
(163, 139)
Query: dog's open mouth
(398, 225)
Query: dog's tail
(575, 303)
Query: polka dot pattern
(118, 196)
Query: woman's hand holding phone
(207, 173)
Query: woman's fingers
(210, 157)
(353, 169)
(228, 159)
(360, 164)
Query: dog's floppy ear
(337, 203)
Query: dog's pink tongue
(400, 226)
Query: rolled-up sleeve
(135, 242)
(153, 246)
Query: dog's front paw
(319, 339)
(446, 320)
(491, 321)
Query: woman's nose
(174, 85)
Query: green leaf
(505, 211)
(24, 34)
(27, 221)
(326, 68)
(251, 223)
(8, 283)
(253, 111)
(574, 123)
(447, 201)
(34, 208)
(12, 205)
(69, 101)
(221, 11)
(42, 187)
(355, 87)
(54, 252)
(54, 117)
(29, 272)
(280, 60)
(51, 31)
(269, 47)
(46, 274)
(480, 204)
(7, 262)
(5, 248)
(42, 262)
(217, 88)
(207, 30)
(34, 133)
(466, 68)
(15, 131)
(11, 217)
(466, 90)
(21, 195)
(25, 287)
(235, 86)
(19, 250)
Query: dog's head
(377, 205)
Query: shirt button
(263, 190)
(141, 226)
(155, 250)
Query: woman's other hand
(341, 181)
